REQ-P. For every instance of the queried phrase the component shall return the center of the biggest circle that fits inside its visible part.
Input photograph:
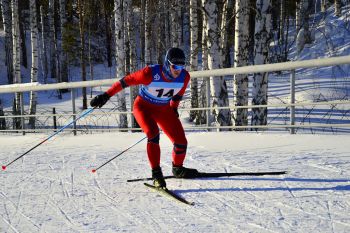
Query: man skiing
(161, 90)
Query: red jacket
(144, 77)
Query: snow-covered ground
(52, 189)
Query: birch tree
(337, 9)
(263, 25)
(284, 25)
(241, 59)
(204, 116)
(107, 11)
(148, 34)
(120, 58)
(186, 31)
(7, 23)
(43, 54)
(282, 19)
(194, 45)
(22, 34)
(227, 26)
(175, 15)
(131, 25)
(302, 25)
(218, 86)
(160, 31)
(82, 49)
(63, 56)
(52, 38)
(34, 67)
(16, 61)
(323, 6)
(167, 24)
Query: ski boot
(183, 172)
(158, 179)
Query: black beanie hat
(175, 56)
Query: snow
(52, 189)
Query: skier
(160, 92)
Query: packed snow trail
(53, 189)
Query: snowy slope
(53, 190)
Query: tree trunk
(108, 32)
(120, 59)
(52, 38)
(218, 87)
(167, 22)
(131, 24)
(204, 88)
(7, 23)
(302, 25)
(186, 31)
(323, 6)
(148, 34)
(263, 36)
(337, 10)
(22, 32)
(282, 21)
(194, 57)
(175, 15)
(229, 33)
(34, 67)
(82, 50)
(16, 62)
(63, 56)
(241, 59)
(43, 59)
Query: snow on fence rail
(285, 66)
(194, 74)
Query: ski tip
(3, 167)
(93, 170)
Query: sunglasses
(176, 67)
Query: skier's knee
(154, 139)
(180, 148)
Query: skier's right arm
(143, 76)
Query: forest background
(51, 37)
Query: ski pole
(94, 170)
(86, 112)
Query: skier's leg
(172, 127)
(143, 116)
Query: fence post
(132, 120)
(22, 114)
(54, 119)
(292, 101)
(72, 91)
(2, 118)
(207, 87)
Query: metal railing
(286, 66)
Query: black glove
(99, 100)
(176, 112)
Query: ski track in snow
(53, 189)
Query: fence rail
(286, 66)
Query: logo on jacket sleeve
(156, 77)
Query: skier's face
(175, 73)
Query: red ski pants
(150, 117)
